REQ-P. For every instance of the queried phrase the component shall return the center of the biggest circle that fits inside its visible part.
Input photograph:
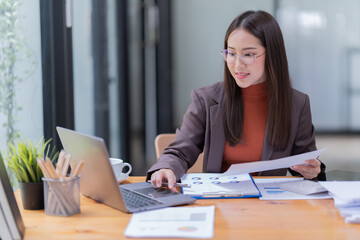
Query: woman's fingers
(310, 170)
(164, 175)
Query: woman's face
(243, 44)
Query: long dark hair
(264, 27)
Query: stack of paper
(346, 196)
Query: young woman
(252, 115)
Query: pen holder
(62, 197)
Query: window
(21, 106)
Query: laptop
(99, 183)
(11, 223)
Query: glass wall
(20, 71)
(84, 78)
(323, 45)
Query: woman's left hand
(310, 169)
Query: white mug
(118, 166)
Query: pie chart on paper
(187, 229)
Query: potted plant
(21, 160)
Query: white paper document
(270, 190)
(272, 164)
(181, 222)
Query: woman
(252, 115)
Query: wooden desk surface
(234, 219)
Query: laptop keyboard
(136, 200)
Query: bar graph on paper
(270, 190)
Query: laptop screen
(97, 177)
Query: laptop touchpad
(156, 193)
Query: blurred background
(123, 70)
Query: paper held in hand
(265, 165)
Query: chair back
(163, 140)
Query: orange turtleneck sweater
(255, 119)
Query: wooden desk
(234, 219)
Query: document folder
(213, 186)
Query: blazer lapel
(216, 133)
(217, 140)
(267, 149)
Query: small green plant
(21, 159)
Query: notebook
(11, 223)
(98, 180)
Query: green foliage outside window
(14, 55)
(13, 50)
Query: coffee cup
(118, 167)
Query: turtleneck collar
(255, 90)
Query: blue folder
(216, 186)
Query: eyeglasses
(246, 58)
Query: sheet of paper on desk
(181, 222)
(270, 190)
(272, 164)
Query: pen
(184, 185)
(222, 194)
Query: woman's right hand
(164, 175)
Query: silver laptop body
(98, 180)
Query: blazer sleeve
(304, 140)
(182, 153)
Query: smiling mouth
(242, 75)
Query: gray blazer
(202, 130)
